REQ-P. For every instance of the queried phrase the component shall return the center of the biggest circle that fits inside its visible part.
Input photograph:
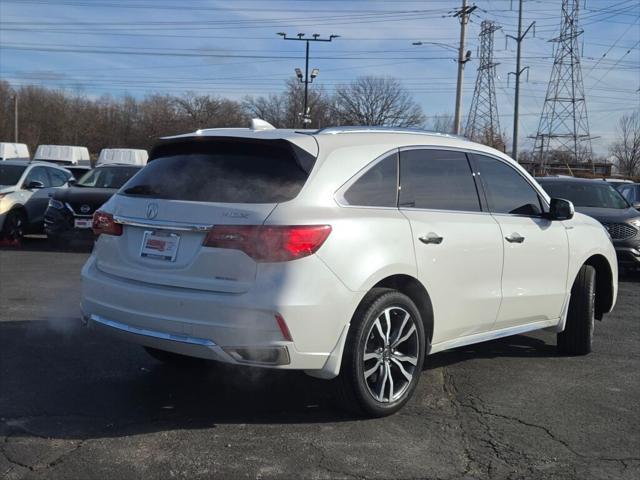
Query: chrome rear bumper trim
(159, 224)
(151, 333)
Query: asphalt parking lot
(78, 406)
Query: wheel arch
(604, 284)
(415, 290)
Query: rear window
(223, 171)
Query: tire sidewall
(359, 339)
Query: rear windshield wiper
(140, 190)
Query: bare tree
(626, 148)
(442, 123)
(377, 101)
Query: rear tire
(383, 354)
(174, 359)
(577, 337)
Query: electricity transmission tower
(483, 124)
(563, 131)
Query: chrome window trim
(162, 224)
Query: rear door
(187, 188)
(536, 250)
(457, 245)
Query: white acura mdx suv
(343, 252)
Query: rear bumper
(231, 328)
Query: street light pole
(306, 118)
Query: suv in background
(601, 201)
(631, 192)
(25, 189)
(68, 216)
(344, 252)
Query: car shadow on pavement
(58, 380)
(40, 243)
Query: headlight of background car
(635, 222)
(53, 203)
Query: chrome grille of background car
(620, 231)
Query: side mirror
(636, 205)
(72, 181)
(561, 209)
(34, 185)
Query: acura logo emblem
(85, 208)
(152, 210)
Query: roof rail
(371, 129)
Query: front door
(536, 250)
(458, 247)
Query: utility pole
(519, 71)
(463, 14)
(15, 117)
(306, 117)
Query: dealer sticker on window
(160, 245)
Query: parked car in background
(78, 171)
(616, 182)
(348, 252)
(601, 201)
(14, 151)
(123, 156)
(67, 219)
(25, 189)
(631, 192)
(62, 154)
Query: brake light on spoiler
(269, 243)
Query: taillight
(269, 243)
(103, 223)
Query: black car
(601, 201)
(69, 214)
(78, 171)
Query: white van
(62, 154)
(13, 151)
(123, 156)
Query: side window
(378, 187)
(58, 177)
(437, 179)
(506, 190)
(38, 174)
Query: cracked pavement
(76, 405)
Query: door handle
(431, 238)
(515, 237)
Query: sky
(231, 48)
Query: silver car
(25, 188)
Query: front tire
(14, 225)
(577, 337)
(384, 354)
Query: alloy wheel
(390, 355)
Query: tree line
(50, 116)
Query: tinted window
(38, 174)
(107, 177)
(377, 187)
(222, 171)
(506, 190)
(585, 194)
(437, 179)
(10, 174)
(631, 193)
(58, 178)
